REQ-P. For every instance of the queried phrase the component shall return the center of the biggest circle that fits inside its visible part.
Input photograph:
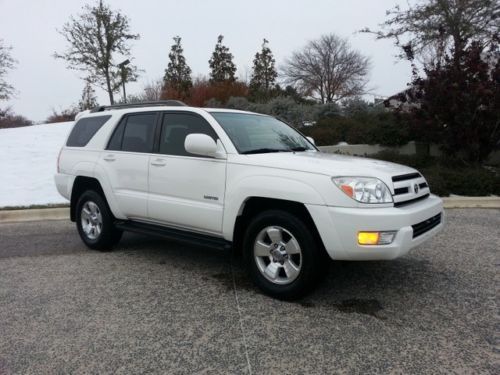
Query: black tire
(109, 235)
(313, 258)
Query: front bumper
(339, 226)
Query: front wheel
(283, 257)
(94, 222)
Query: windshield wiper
(263, 151)
(300, 148)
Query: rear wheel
(283, 257)
(94, 222)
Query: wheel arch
(80, 185)
(256, 204)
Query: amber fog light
(376, 238)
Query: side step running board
(174, 234)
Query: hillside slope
(28, 158)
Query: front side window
(84, 130)
(135, 133)
(176, 127)
(254, 134)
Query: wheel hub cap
(91, 220)
(278, 255)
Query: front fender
(264, 186)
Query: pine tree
(177, 79)
(88, 99)
(221, 64)
(264, 72)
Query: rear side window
(135, 133)
(84, 130)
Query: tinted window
(84, 130)
(176, 127)
(138, 134)
(115, 143)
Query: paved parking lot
(154, 306)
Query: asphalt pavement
(153, 306)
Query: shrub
(9, 119)
(203, 90)
(458, 103)
(367, 125)
(450, 176)
(67, 114)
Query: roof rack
(169, 103)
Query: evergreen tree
(221, 63)
(177, 79)
(88, 99)
(264, 72)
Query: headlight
(364, 189)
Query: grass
(34, 206)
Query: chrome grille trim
(409, 188)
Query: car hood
(328, 164)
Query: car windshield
(256, 134)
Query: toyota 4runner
(227, 178)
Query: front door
(186, 190)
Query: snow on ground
(28, 162)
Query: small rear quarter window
(85, 129)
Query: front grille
(399, 191)
(404, 177)
(409, 188)
(410, 201)
(426, 225)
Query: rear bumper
(339, 226)
(64, 184)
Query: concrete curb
(62, 213)
(35, 214)
(471, 202)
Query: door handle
(109, 157)
(159, 162)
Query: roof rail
(168, 103)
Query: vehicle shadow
(361, 287)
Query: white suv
(222, 177)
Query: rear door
(126, 162)
(186, 190)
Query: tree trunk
(110, 91)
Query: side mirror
(310, 139)
(202, 144)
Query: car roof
(126, 110)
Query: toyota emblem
(415, 188)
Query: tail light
(58, 160)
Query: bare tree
(153, 90)
(328, 69)
(95, 37)
(431, 29)
(6, 63)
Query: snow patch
(28, 162)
